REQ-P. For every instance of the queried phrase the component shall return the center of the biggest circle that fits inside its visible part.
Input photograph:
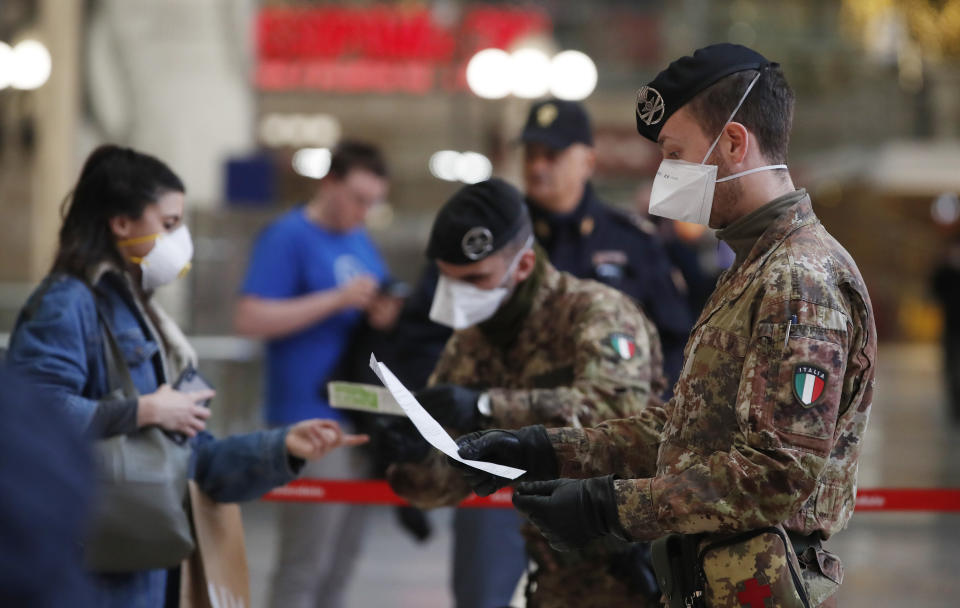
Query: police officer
(586, 237)
(532, 345)
(764, 431)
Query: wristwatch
(483, 405)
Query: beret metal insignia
(477, 243)
(547, 114)
(650, 106)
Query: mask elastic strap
(749, 171)
(138, 239)
(732, 114)
(516, 258)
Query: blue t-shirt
(294, 257)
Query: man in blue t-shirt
(314, 274)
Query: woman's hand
(174, 410)
(313, 439)
(383, 312)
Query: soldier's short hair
(767, 112)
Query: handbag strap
(118, 373)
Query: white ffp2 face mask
(168, 260)
(683, 191)
(459, 305)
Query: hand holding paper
(430, 428)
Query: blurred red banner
(382, 48)
(373, 492)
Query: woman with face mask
(123, 236)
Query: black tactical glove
(570, 512)
(526, 448)
(452, 406)
(401, 442)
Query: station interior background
(242, 98)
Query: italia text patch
(808, 384)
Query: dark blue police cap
(558, 124)
(686, 77)
(476, 222)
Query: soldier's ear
(735, 145)
(525, 266)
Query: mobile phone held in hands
(395, 289)
(191, 380)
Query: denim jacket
(57, 344)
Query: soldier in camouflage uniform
(558, 351)
(765, 429)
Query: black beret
(477, 221)
(558, 124)
(686, 77)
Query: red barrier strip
(379, 493)
(937, 500)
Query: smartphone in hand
(191, 380)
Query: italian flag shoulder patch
(623, 345)
(808, 384)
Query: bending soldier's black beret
(686, 77)
(477, 221)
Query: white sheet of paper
(431, 430)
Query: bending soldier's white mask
(683, 191)
(458, 304)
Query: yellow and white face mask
(167, 261)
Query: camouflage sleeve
(428, 484)
(787, 401)
(447, 361)
(626, 448)
(616, 370)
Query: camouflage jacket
(768, 416)
(586, 353)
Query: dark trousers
(951, 373)
(488, 557)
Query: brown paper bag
(215, 575)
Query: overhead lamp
(488, 73)
(312, 162)
(529, 73)
(466, 167)
(31, 65)
(573, 75)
